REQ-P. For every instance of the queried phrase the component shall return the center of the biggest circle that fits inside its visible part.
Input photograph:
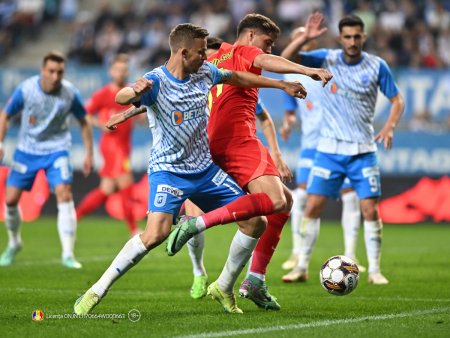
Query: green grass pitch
(416, 260)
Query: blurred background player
(115, 147)
(347, 146)
(180, 165)
(197, 243)
(237, 150)
(45, 102)
(310, 113)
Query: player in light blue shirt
(45, 103)
(310, 113)
(180, 167)
(347, 145)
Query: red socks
(92, 201)
(241, 209)
(128, 209)
(268, 242)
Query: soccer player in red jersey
(237, 150)
(115, 146)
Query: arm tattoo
(226, 75)
(134, 111)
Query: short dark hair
(182, 35)
(259, 22)
(121, 57)
(350, 20)
(213, 42)
(54, 56)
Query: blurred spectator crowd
(406, 33)
(22, 20)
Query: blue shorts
(330, 170)
(26, 166)
(209, 190)
(304, 165)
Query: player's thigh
(58, 169)
(268, 184)
(63, 192)
(167, 193)
(157, 229)
(314, 205)
(192, 209)
(364, 174)
(215, 189)
(24, 169)
(327, 175)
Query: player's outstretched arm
(3, 127)
(386, 135)
(302, 35)
(277, 64)
(268, 128)
(128, 95)
(86, 134)
(119, 118)
(250, 80)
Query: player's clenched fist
(142, 85)
(294, 88)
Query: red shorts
(116, 162)
(243, 158)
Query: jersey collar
(173, 78)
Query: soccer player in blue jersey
(45, 102)
(347, 144)
(180, 166)
(310, 113)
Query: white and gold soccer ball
(339, 275)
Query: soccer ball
(339, 275)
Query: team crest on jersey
(178, 117)
(203, 87)
(160, 200)
(165, 188)
(365, 79)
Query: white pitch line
(150, 293)
(76, 291)
(315, 324)
(58, 261)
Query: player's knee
(153, 239)
(281, 204)
(370, 212)
(11, 201)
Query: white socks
(372, 237)
(67, 227)
(200, 224)
(351, 218)
(299, 196)
(241, 249)
(309, 231)
(12, 224)
(195, 246)
(133, 251)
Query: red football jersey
(232, 109)
(103, 104)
